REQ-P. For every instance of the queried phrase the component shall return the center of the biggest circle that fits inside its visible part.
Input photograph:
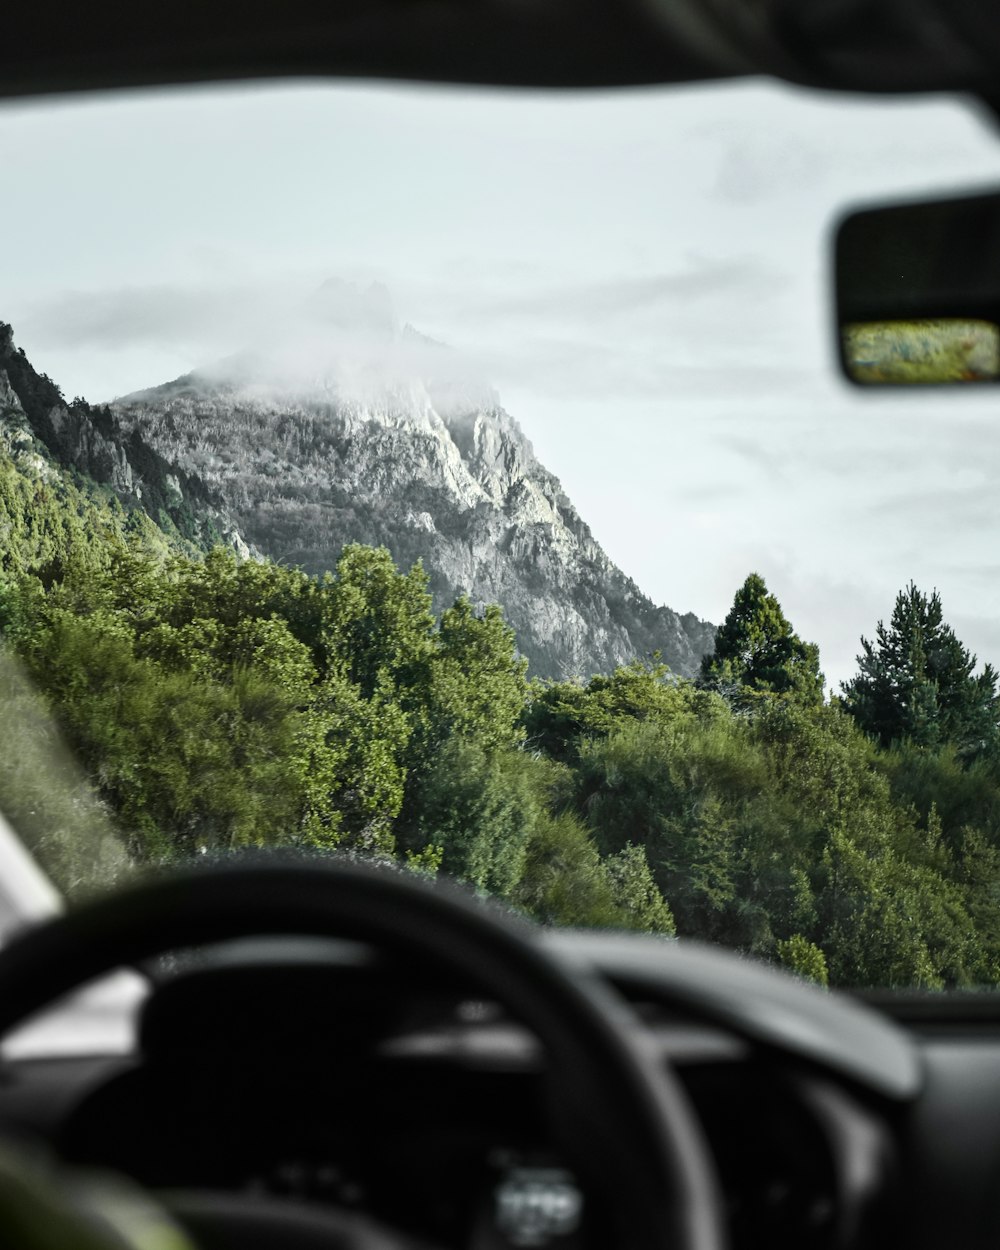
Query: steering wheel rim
(628, 1112)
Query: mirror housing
(918, 292)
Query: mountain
(343, 427)
(88, 439)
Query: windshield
(465, 479)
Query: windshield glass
(466, 479)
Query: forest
(212, 704)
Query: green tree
(636, 893)
(892, 919)
(45, 795)
(480, 807)
(563, 714)
(678, 789)
(917, 683)
(756, 650)
(565, 881)
(376, 623)
(804, 958)
(477, 682)
(185, 759)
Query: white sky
(643, 275)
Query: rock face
(380, 438)
(16, 437)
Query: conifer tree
(757, 650)
(917, 683)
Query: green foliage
(962, 793)
(376, 624)
(780, 834)
(187, 762)
(890, 921)
(47, 798)
(481, 807)
(563, 881)
(214, 703)
(426, 862)
(48, 521)
(562, 713)
(217, 703)
(916, 683)
(756, 651)
(45, 429)
(682, 790)
(566, 882)
(804, 958)
(478, 687)
(635, 892)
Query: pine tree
(917, 683)
(757, 650)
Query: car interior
(326, 1053)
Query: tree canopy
(214, 703)
(917, 683)
(757, 652)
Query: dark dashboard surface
(323, 1074)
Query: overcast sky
(644, 277)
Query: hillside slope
(89, 440)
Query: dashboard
(324, 1073)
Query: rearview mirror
(918, 293)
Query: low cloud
(200, 318)
(288, 332)
(636, 337)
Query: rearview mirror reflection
(927, 351)
(918, 293)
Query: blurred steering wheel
(621, 1115)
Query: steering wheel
(632, 1132)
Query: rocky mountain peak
(346, 428)
(350, 429)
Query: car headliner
(871, 45)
